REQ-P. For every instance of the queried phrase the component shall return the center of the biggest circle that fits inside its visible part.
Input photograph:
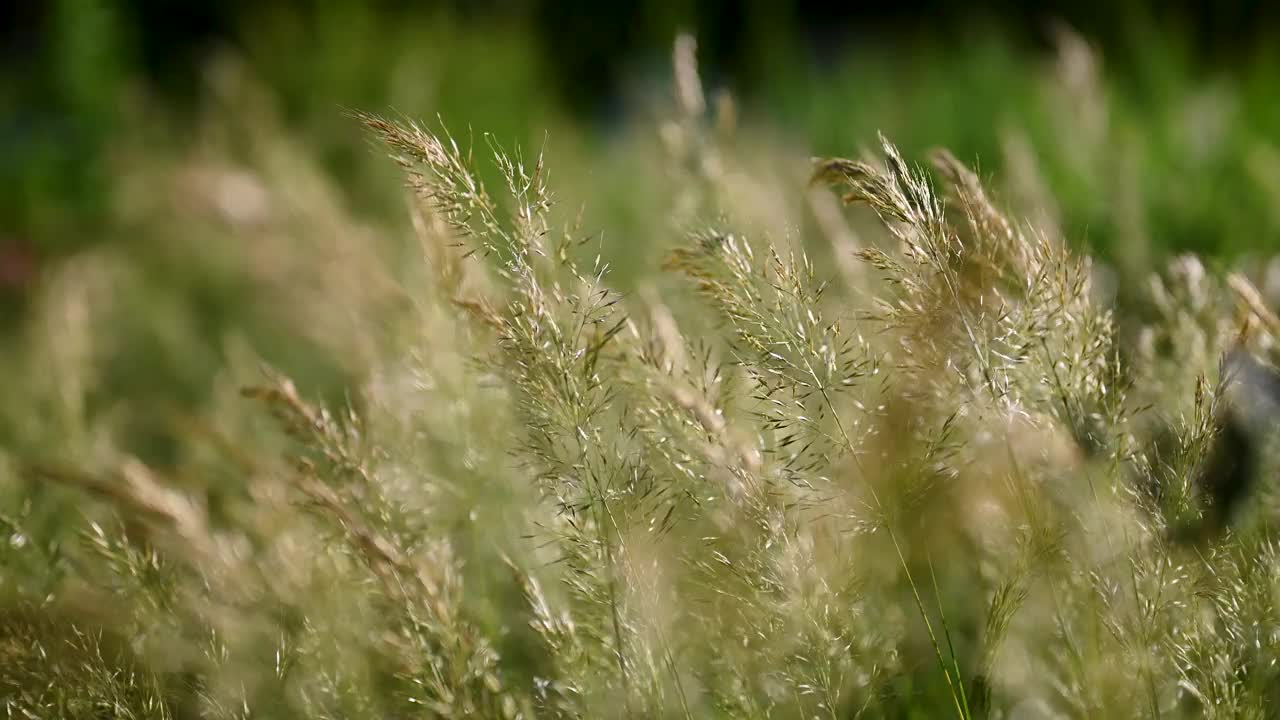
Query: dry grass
(943, 480)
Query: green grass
(652, 424)
(1162, 155)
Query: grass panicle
(951, 471)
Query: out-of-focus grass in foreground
(638, 420)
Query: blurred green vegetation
(1135, 157)
(163, 232)
(1191, 148)
(1192, 138)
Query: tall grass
(923, 469)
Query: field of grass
(354, 392)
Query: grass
(844, 438)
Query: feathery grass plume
(693, 160)
(995, 309)
(398, 644)
(1226, 662)
(56, 669)
(1208, 445)
(552, 336)
(795, 360)
(755, 567)
(442, 663)
(59, 660)
(800, 367)
(995, 325)
(944, 492)
(766, 564)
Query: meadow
(931, 389)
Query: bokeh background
(182, 185)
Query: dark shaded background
(591, 44)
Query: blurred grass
(158, 246)
(1190, 147)
(248, 211)
(1161, 158)
(1191, 144)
